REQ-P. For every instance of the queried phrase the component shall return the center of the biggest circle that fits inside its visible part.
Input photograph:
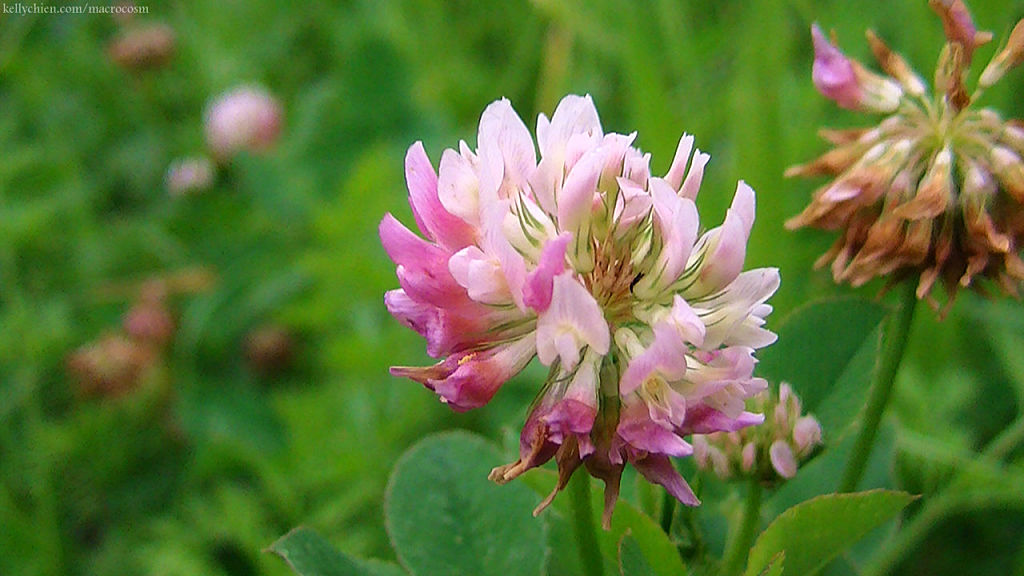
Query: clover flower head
(581, 258)
(245, 118)
(770, 452)
(936, 189)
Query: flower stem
(584, 525)
(735, 558)
(940, 506)
(894, 343)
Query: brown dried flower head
(143, 47)
(936, 189)
(111, 366)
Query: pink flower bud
(833, 72)
(806, 434)
(149, 322)
(246, 118)
(749, 457)
(782, 459)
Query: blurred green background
(212, 456)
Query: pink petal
(539, 282)
(573, 320)
(677, 222)
(651, 437)
(674, 177)
(727, 244)
(806, 433)
(666, 355)
(496, 245)
(480, 275)
(479, 375)
(505, 148)
(422, 267)
(458, 186)
(659, 470)
(445, 330)
(782, 459)
(573, 115)
(748, 457)
(577, 195)
(686, 320)
(703, 419)
(832, 72)
(434, 221)
(572, 418)
(694, 176)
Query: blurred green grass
(204, 470)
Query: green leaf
(631, 558)
(816, 531)
(775, 565)
(826, 351)
(817, 342)
(309, 554)
(446, 518)
(657, 548)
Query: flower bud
(833, 72)
(806, 434)
(958, 25)
(769, 452)
(149, 322)
(1009, 57)
(782, 459)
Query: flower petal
(539, 282)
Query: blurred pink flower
(189, 175)
(585, 260)
(246, 118)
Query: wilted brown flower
(110, 366)
(936, 189)
(143, 47)
(269, 349)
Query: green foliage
(199, 469)
(826, 351)
(816, 531)
(308, 554)
(656, 548)
(446, 518)
(631, 558)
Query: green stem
(894, 342)
(940, 506)
(584, 525)
(734, 561)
